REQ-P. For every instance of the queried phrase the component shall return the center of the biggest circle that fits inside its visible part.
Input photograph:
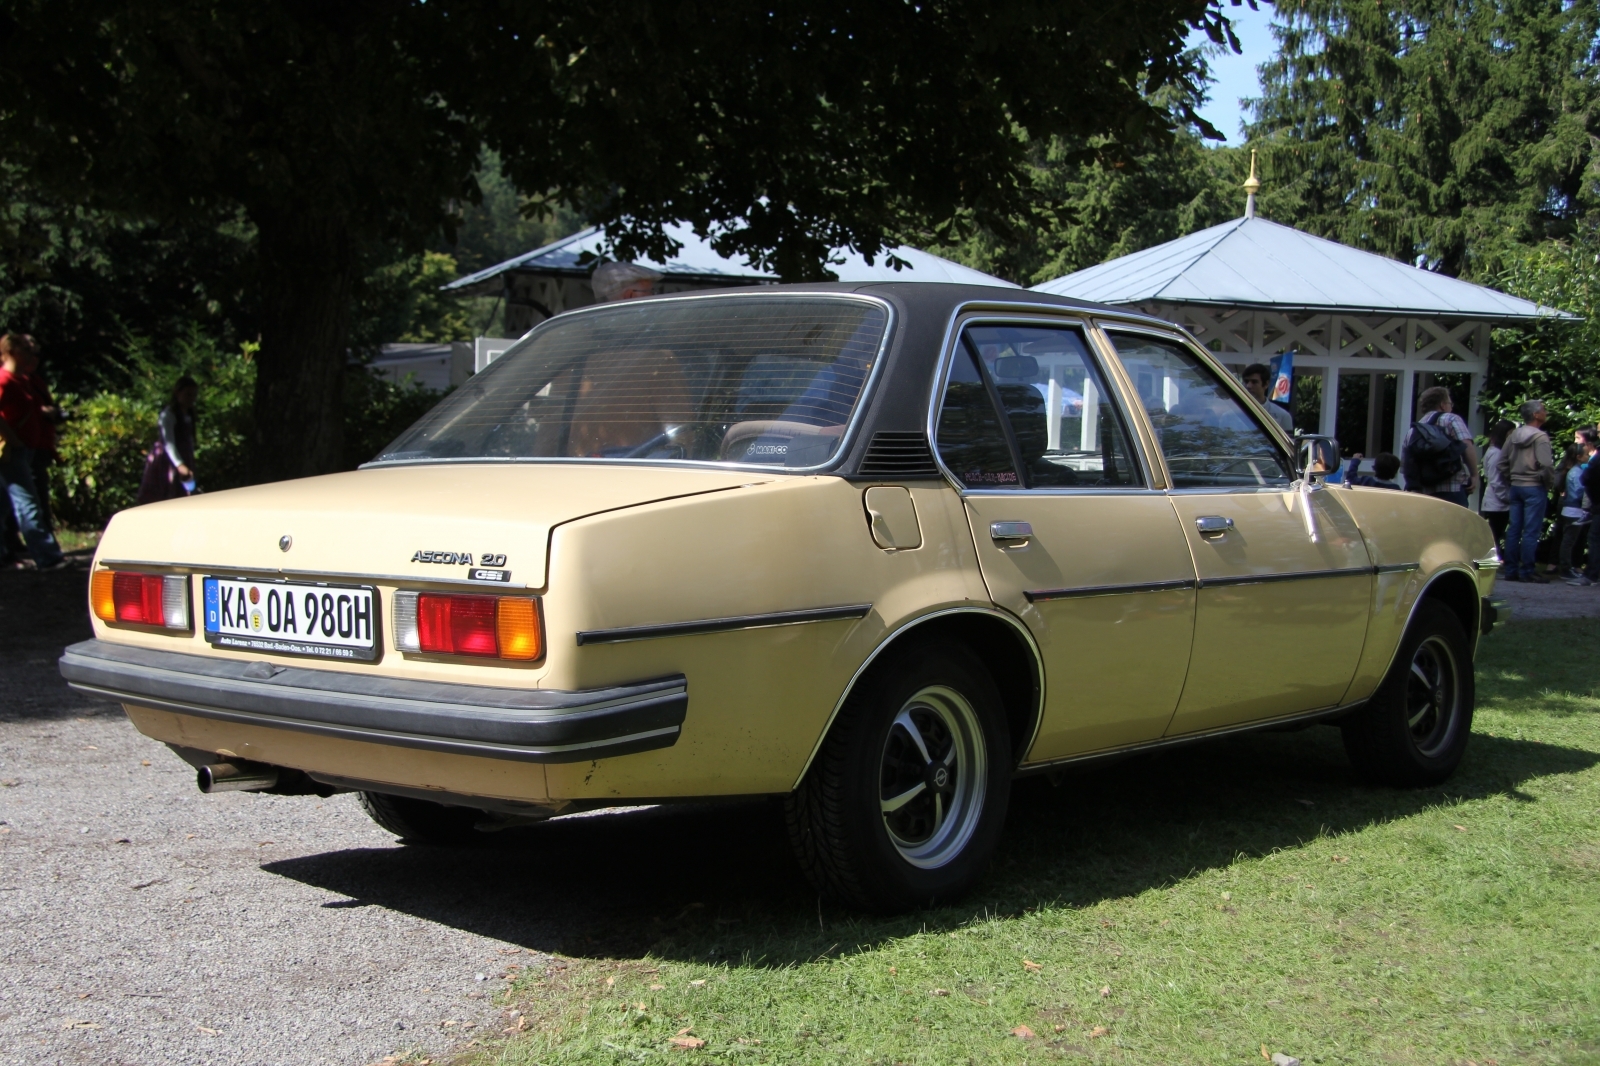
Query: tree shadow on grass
(716, 882)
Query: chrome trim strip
(593, 749)
(846, 439)
(1400, 568)
(1033, 647)
(1110, 590)
(1264, 579)
(537, 725)
(321, 576)
(722, 625)
(1190, 738)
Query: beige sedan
(878, 549)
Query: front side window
(1059, 428)
(772, 381)
(1210, 438)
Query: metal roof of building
(1251, 262)
(698, 260)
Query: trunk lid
(422, 523)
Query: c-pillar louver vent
(898, 454)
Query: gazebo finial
(1252, 185)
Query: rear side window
(1060, 428)
(972, 442)
(1210, 438)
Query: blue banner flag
(1279, 388)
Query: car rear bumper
(527, 725)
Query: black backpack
(1431, 456)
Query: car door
(1070, 536)
(1285, 579)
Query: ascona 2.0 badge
(490, 564)
(296, 618)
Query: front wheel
(1413, 732)
(905, 801)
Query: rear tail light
(493, 627)
(140, 599)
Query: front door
(1285, 579)
(1069, 536)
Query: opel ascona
(876, 549)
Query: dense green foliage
(1555, 360)
(1440, 131)
(345, 134)
(102, 449)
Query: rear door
(1070, 536)
(1285, 580)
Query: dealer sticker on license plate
(293, 618)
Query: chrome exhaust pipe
(236, 777)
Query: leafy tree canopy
(1439, 131)
(782, 130)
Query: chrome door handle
(1010, 530)
(1213, 524)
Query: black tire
(935, 845)
(417, 821)
(1413, 732)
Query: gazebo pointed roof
(696, 259)
(1251, 262)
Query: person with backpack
(1439, 457)
(1526, 464)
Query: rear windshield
(739, 379)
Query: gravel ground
(1555, 600)
(142, 922)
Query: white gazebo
(555, 278)
(1251, 289)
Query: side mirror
(1316, 456)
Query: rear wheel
(1413, 732)
(906, 799)
(417, 821)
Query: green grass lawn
(1196, 907)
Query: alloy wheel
(932, 774)
(1432, 696)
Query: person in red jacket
(27, 424)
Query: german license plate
(292, 618)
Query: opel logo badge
(941, 777)
(285, 542)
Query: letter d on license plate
(292, 618)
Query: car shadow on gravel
(716, 882)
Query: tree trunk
(307, 277)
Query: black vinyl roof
(899, 401)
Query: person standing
(1257, 378)
(1495, 506)
(169, 466)
(1442, 459)
(1528, 468)
(1574, 516)
(25, 426)
(1591, 489)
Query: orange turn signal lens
(102, 601)
(517, 626)
(494, 627)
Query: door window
(1210, 437)
(1061, 428)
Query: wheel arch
(1456, 589)
(1003, 644)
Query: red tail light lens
(494, 627)
(140, 599)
